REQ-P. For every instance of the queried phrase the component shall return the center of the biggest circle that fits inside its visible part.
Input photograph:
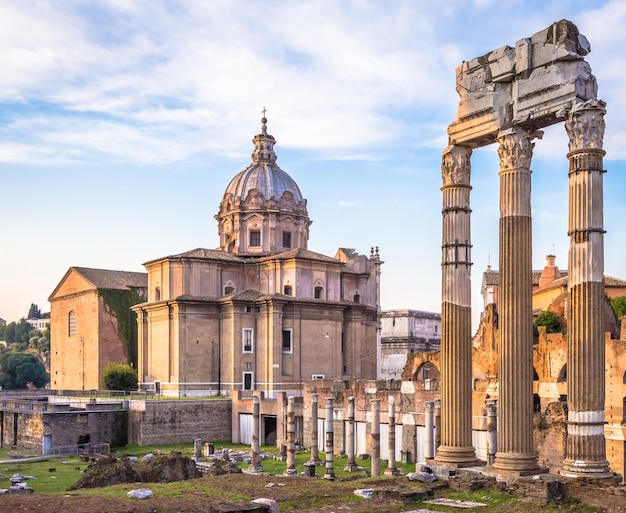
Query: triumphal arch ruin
(506, 97)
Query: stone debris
(366, 493)
(451, 503)
(424, 477)
(140, 493)
(268, 502)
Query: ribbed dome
(270, 180)
(263, 174)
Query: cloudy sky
(122, 122)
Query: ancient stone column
(350, 466)
(291, 437)
(586, 444)
(456, 316)
(516, 451)
(437, 416)
(255, 465)
(375, 437)
(330, 441)
(197, 450)
(429, 430)
(315, 459)
(391, 458)
(492, 431)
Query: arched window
(562, 378)
(71, 324)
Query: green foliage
(117, 376)
(17, 370)
(34, 312)
(118, 303)
(551, 321)
(619, 306)
(17, 331)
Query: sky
(123, 121)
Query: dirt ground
(207, 495)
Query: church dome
(263, 174)
(262, 210)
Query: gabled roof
(202, 253)
(303, 254)
(490, 277)
(106, 279)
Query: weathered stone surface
(523, 86)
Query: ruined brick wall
(26, 430)
(169, 422)
(551, 436)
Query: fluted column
(456, 316)
(586, 444)
(516, 451)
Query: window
(255, 238)
(357, 298)
(317, 376)
(71, 324)
(286, 239)
(229, 290)
(248, 381)
(288, 290)
(287, 341)
(248, 340)
(318, 292)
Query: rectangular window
(286, 239)
(255, 238)
(248, 340)
(287, 341)
(248, 381)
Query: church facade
(261, 312)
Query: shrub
(118, 376)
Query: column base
(329, 477)
(392, 472)
(255, 469)
(590, 469)
(350, 467)
(290, 472)
(317, 462)
(515, 463)
(457, 457)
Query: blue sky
(122, 122)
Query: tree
(117, 376)
(551, 321)
(619, 306)
(18, 370)
(34, 312)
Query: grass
(293, 494)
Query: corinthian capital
(585, 125)
(455, 165)
(516, 149)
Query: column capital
(515, 149)
(429, 406)
(585, 125)
(456, 166)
